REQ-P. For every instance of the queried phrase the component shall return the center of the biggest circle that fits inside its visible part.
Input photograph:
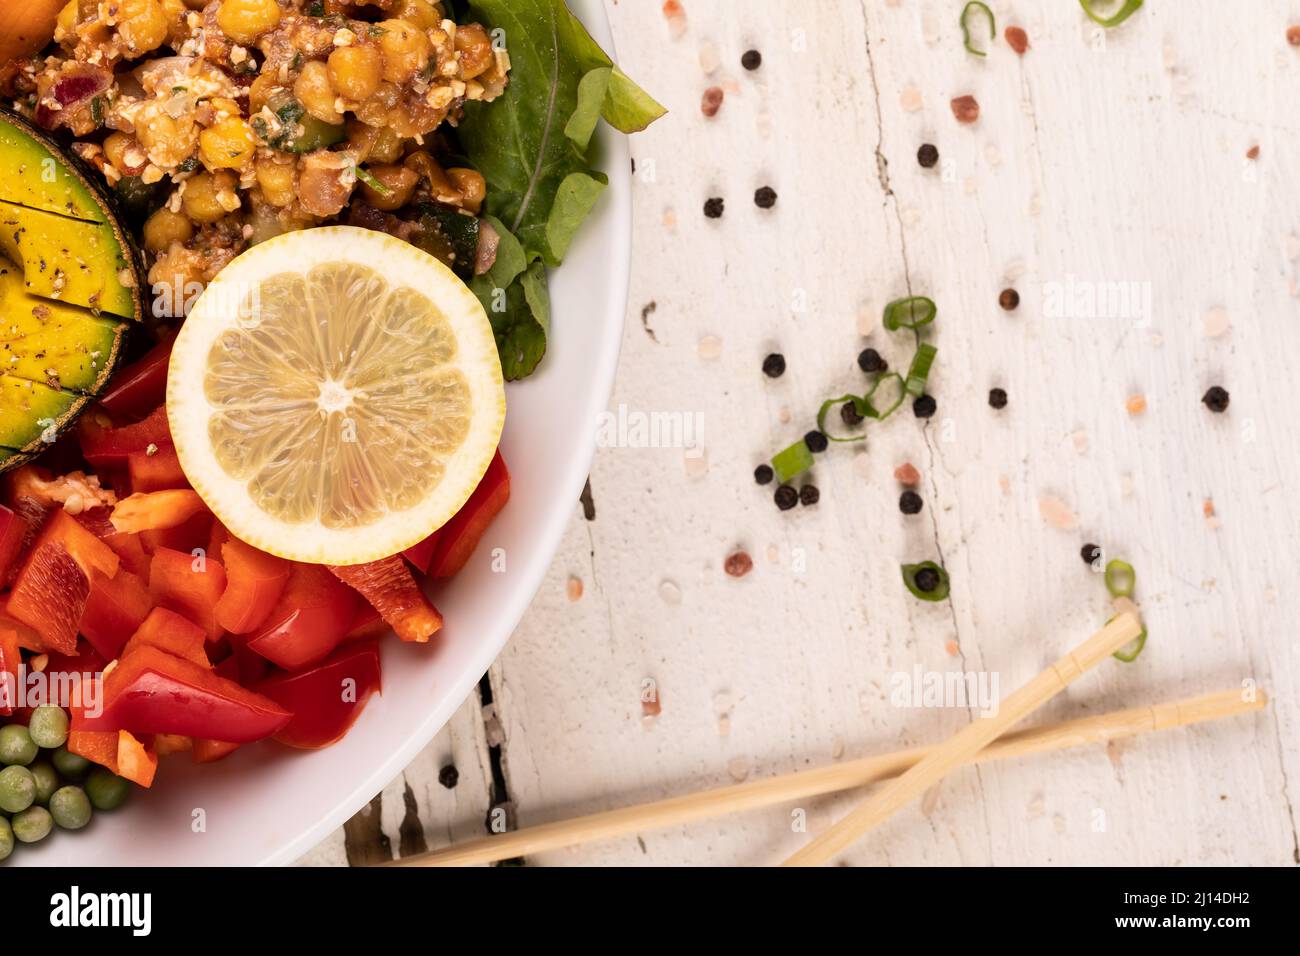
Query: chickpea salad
(265, 267)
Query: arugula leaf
(531, 145)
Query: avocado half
(71, 282)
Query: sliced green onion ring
(1121, 579)
(1125, 11)
(965, 29)
(940, 591)
(371, 181)
(884, 413)
(919, 371)
(910, 313)
(860, 405)
(792, 462)
(1130, 651)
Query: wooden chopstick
(968, 741)
(755, 794)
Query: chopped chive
(1130, 651)
(927, 581)
(920, 369)
(860, 405)
(884, 413)
(792, 462)
(371, 181)
(965, 29)
(1121, 579)
(909, 313)
(1125, 11)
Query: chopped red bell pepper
(86, 550)
(164, 745)
(106, 446)
(172, 633)
(13, 532)
(309, 620)
(49, 596)
(135, 761)
(190, 585)
(28, 638)
(142, 386)
(157, 510)
(391, 590)
(192, 534)
(366, 623)
(115, 607)
(160, 471)
(10, 660)
(421, 554)
(254, 581)
(208, 751)
(218, 535)
(327, 699)
(152, 692)
(130, 550)
(460, 536)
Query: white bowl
(267, 804)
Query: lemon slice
(335, 395)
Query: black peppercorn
(926, 580)
(925, 406)
(1090, 553)
(765, 197)
(816, 441)
(751, 59)
(1216, 399)
(713, 207)
(849, 415)
(449, 776)
(763, 474)
(909, 502)
(927, 155)
(869, 360)
(998, 397)
(1009, 299)
(786, 497)
(809, 495)
(774, 365)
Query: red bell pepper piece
(391, 590)
(13, 531)
(218, 535)
(142, 386)
(157, 472)
(115, 607)
(152, 692)
(49, 596)
(10, 660)
(135, 761)
(189, 536)
(309, 620)
(190, 585)
(254, 582)
(88, 551)
(460, 536)
(157, 510)
(106, 446)
(421, 554)
(366, 623)
(172, 633)
(129, 549)
(208, 751)
(327, 699)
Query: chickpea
(278, 181)
(246, 20)
(141, 25)
(399, 184)
(427, 167)
(406, 50)
(419, 13)
(124, 152)
(165, 227)
(202, 199)
(316, 94)
(66, 23)
(175, 13)
(471, 185)
(230, 144)
(356, 71)
(260, 91)
(377, 144)
(473, 51)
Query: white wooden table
(1098, 159)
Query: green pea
(69, 765)
(17, 789)
(32, 825)
(49, 726)
(16, 745)
(107, 791)
(6, 838)
(70, 808)
(47, 780)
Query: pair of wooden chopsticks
(932, 761)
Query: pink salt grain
(711, 102)
(1057, 513)
(1017, 39)
(966, 109)
(907, 475)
